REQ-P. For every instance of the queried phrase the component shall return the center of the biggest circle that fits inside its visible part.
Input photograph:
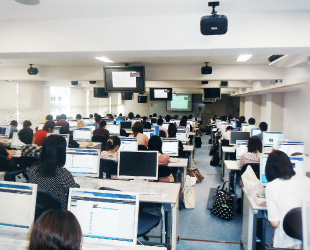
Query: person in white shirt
(251, 123)
(226, 135)
(284, 192)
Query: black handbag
(223, 204)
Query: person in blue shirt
(13, 128)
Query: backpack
(213, 150)
(215, 161)
(198, 142)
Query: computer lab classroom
(226, 68)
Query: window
(60, 100)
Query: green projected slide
(180, 102)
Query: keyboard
(174, 160)
(13, 244)
(139, 188)
(92, 246)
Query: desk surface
(214, 129)
(252, 201)
(228, 149)
(188, 147)
(231, 165)
(180, 163)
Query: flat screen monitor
(237, 129)
(113, 129)
(161, 94)
(92, 127)
(129, 144)
(154, 120)
(72, 123)
(56, 130)
(127, 96)
(125, 79)
(156, 129)
(306, 224)
(166, 125)
(5, 130)
(16, 143)
(180, 102)
(181, 135)
(213, 93)
(138, 165)
(83, 162)
(18, 206)
(106, 217)
(100, 93)
(270, 138)
(126, 125)
(142, 99)
(255, 131)
(170, 146)
(148, 132)
(241, 148)
(119, 120)
(243, 125)
(82, 134)
(86, 120)
(40, 126)
(238, 135)
(291, 147)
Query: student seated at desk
(56, 229)
(241, 120)
(111, 147)
(101, 130)
(41, 134)
(255, 148)
(147, 125)
(172, 132)
(137, 131)
(73, 143)
(97, 119)
(80, 122)
(26, 136)
(226, 135)
(284, 192)
(8, 154)
(160, 123)
(263, 126)
(62, 121)
(251, 123)
(48, 118)
(13, 129)
(130, 116)
(49, 173)
(183, 123)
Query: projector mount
(213, 5)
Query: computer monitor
(40, 126)
(56, 130)
(255, 131)
(154, 120)
(238, 135)
(156, 129)
(126, 125)
(138, 165)
(233, 123)
(113, 129)
(297, 162)
(291, 147)
(181, 135)
(237, 129)
(106, 217)
(119, 120)
(16, 143)
(270, 138)
(92, 127)
(166, 125)
(129, 144)
(72, 123)
(170, 146)
(5, 130)
(148, 132)
(305, 213)
(82, 134)
(241, 148)
(86, 120)
(244, 125)
(83, 162)
(18, 203)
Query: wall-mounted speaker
(224, 83)
(204, 82)
(74, 83)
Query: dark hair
(172, 130)
(160, 121)
(241, 119)
(26, 135)
(137, 128)
(251, 121)
(112, 142)
(229, 128)
(91, 116)
(120, 114)
(64, 130)
(223, 118)
(154, 115)
(138, 116)
(49, 118)
(63, 117)
(155, 143)
(97, 118)
(263, 126)
(254, 144)
(144, 118)
(147, 125)
(13, 123)
(190, 117)
(278, 165)
(183, 121)
(150, 116)
(49, 125)
(27, 124)
(53, 154)
(78, 116)
(56, 230)
(168, 118)
(103, 124)
(229, 118)
(214, 117)
(130, 115)
(57, 117)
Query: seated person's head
(138, 116)
(155, 143)
(120, 114)
(190, 117)
(251, 121)
(147, 125)
(229, 128)
(150, 116)
(64, 130)
(27, 124)
(183, 122)
(78, 117)
(14, 123)
(223, 118)
(278, 165)
(49, 126)
(137, 128)
(91, 116)
(144, 118)
(214, 117)
(53, 154)
(103, 124)
(25, 136)
(172, 130)
(130, 115)
(63, 117)
(160, 121)
(263, 126)
(241, 119)
(49, 118)
(57, 117)
(56, 229)
(168, 118)
(154, 115)
(113, 143)
(97, 118)
(255, 145)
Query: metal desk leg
(163, 225)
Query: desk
(226, 150)
(231, 168)
(190, 149)
(180, 163)
(168, 197)
(96, 145)
(213, 131)
(249, 222)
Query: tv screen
(126, 96)
(180, 102)
(100, 93)
(214, 93)
(125, 79)
(161, 94)
(142, 99)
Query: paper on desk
(251, 184)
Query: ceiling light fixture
(104, 59)
(275, 58)
(28, 2)
(243, 58)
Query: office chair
(109, 167)
(123, 132)
(292, 223)
(164, 171)
(27, 161)
(4, 163)
(12, 175)
(100, 138)
(162, 134)
(225, 143)
(46, 200)
(142, 147)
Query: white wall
(78, 101)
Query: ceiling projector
(206, 70)
(32, 71)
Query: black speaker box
(206, 70)
(74, 83)
(213, 25)
(224, 83)
(204, 82)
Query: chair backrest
(292, 223)
(164, 171)
(109, 167)
(225, 143)
(142, 147)
(46, 200)
(4, 163)
(254, 166)
(162, 133)
(122, 132)
(27, 161)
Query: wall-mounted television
(180, 102)
(142, 99)
(161, 94)
(100, 93)
(214, 93)
(126, 96)
(125, 79)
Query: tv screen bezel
(101, 96)
(152, 98)
(124, 95)
(139, 98)
(207, 97)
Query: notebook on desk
(106, 218)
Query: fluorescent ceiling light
(104, 59)
(243, 58)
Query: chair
(109, 167)
(254, 166)
(123, 132)
(11, 175)
(142, 147)
(162, 134)
(46, 200)
(146, 223)
(4, 163)
(27, 161)
(100, 138)
(164, 171)
(292, 223)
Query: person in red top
(97, 119)
(62, 122)
(101, 130)
(41, 134)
